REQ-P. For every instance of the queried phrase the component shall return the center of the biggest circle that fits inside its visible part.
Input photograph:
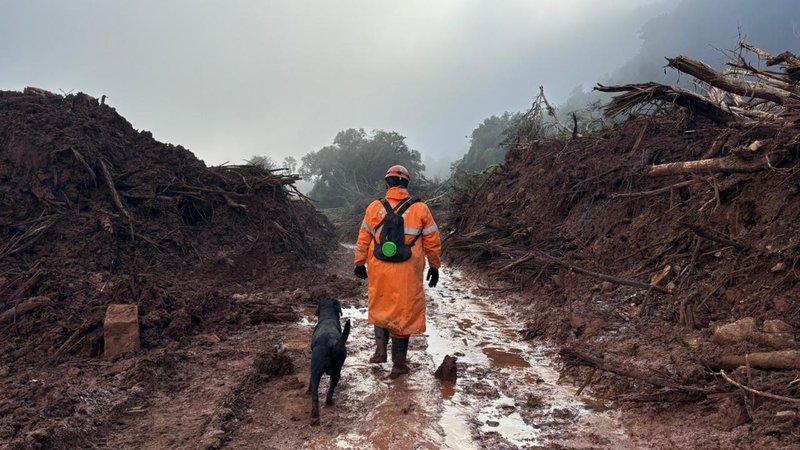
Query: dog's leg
(314, 385)
(334, 381)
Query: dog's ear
(316, 313)
(338, 307)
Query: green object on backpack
(389, 248)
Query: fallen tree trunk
(730, 164)
(781, 359)
(24, 307)
(704, 72)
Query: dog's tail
(343, 338)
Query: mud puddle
(506, 396)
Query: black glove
(361, 272)
(433, 276)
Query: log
(728, 164)
(781, 359)
(24, 307)
(616, 367)
(704, 72)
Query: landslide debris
(634, 244)
(94, 212)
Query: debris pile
(94, 213)
(637, 242)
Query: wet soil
(721, 247)
(94, 212)
(507, 394)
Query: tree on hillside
(351, 170)
(485, 147)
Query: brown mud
(93, 212)
(228, 263)
(507, 393)
(717, 247)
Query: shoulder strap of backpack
(387, 206)
(404, 207)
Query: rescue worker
(396, 294)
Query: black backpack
(393, 233)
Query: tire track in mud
(507, 395)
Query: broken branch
(757, 392)
(655, 191)
(114, 195)
(27, 306)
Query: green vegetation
(350, 172)
(486, 144)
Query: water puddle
(506, 395)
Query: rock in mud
(447, 371)
(663, 277)
(121, 330)
(777, 268)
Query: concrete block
(121, 330)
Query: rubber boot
(381, 341)
(399, 357)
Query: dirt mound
(93, 212)
(635, 259)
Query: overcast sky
(230, 79)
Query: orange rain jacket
(396, 294)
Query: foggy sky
(230, 79)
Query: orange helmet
(398, 171)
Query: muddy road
(507, 394)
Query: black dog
(328, 351)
